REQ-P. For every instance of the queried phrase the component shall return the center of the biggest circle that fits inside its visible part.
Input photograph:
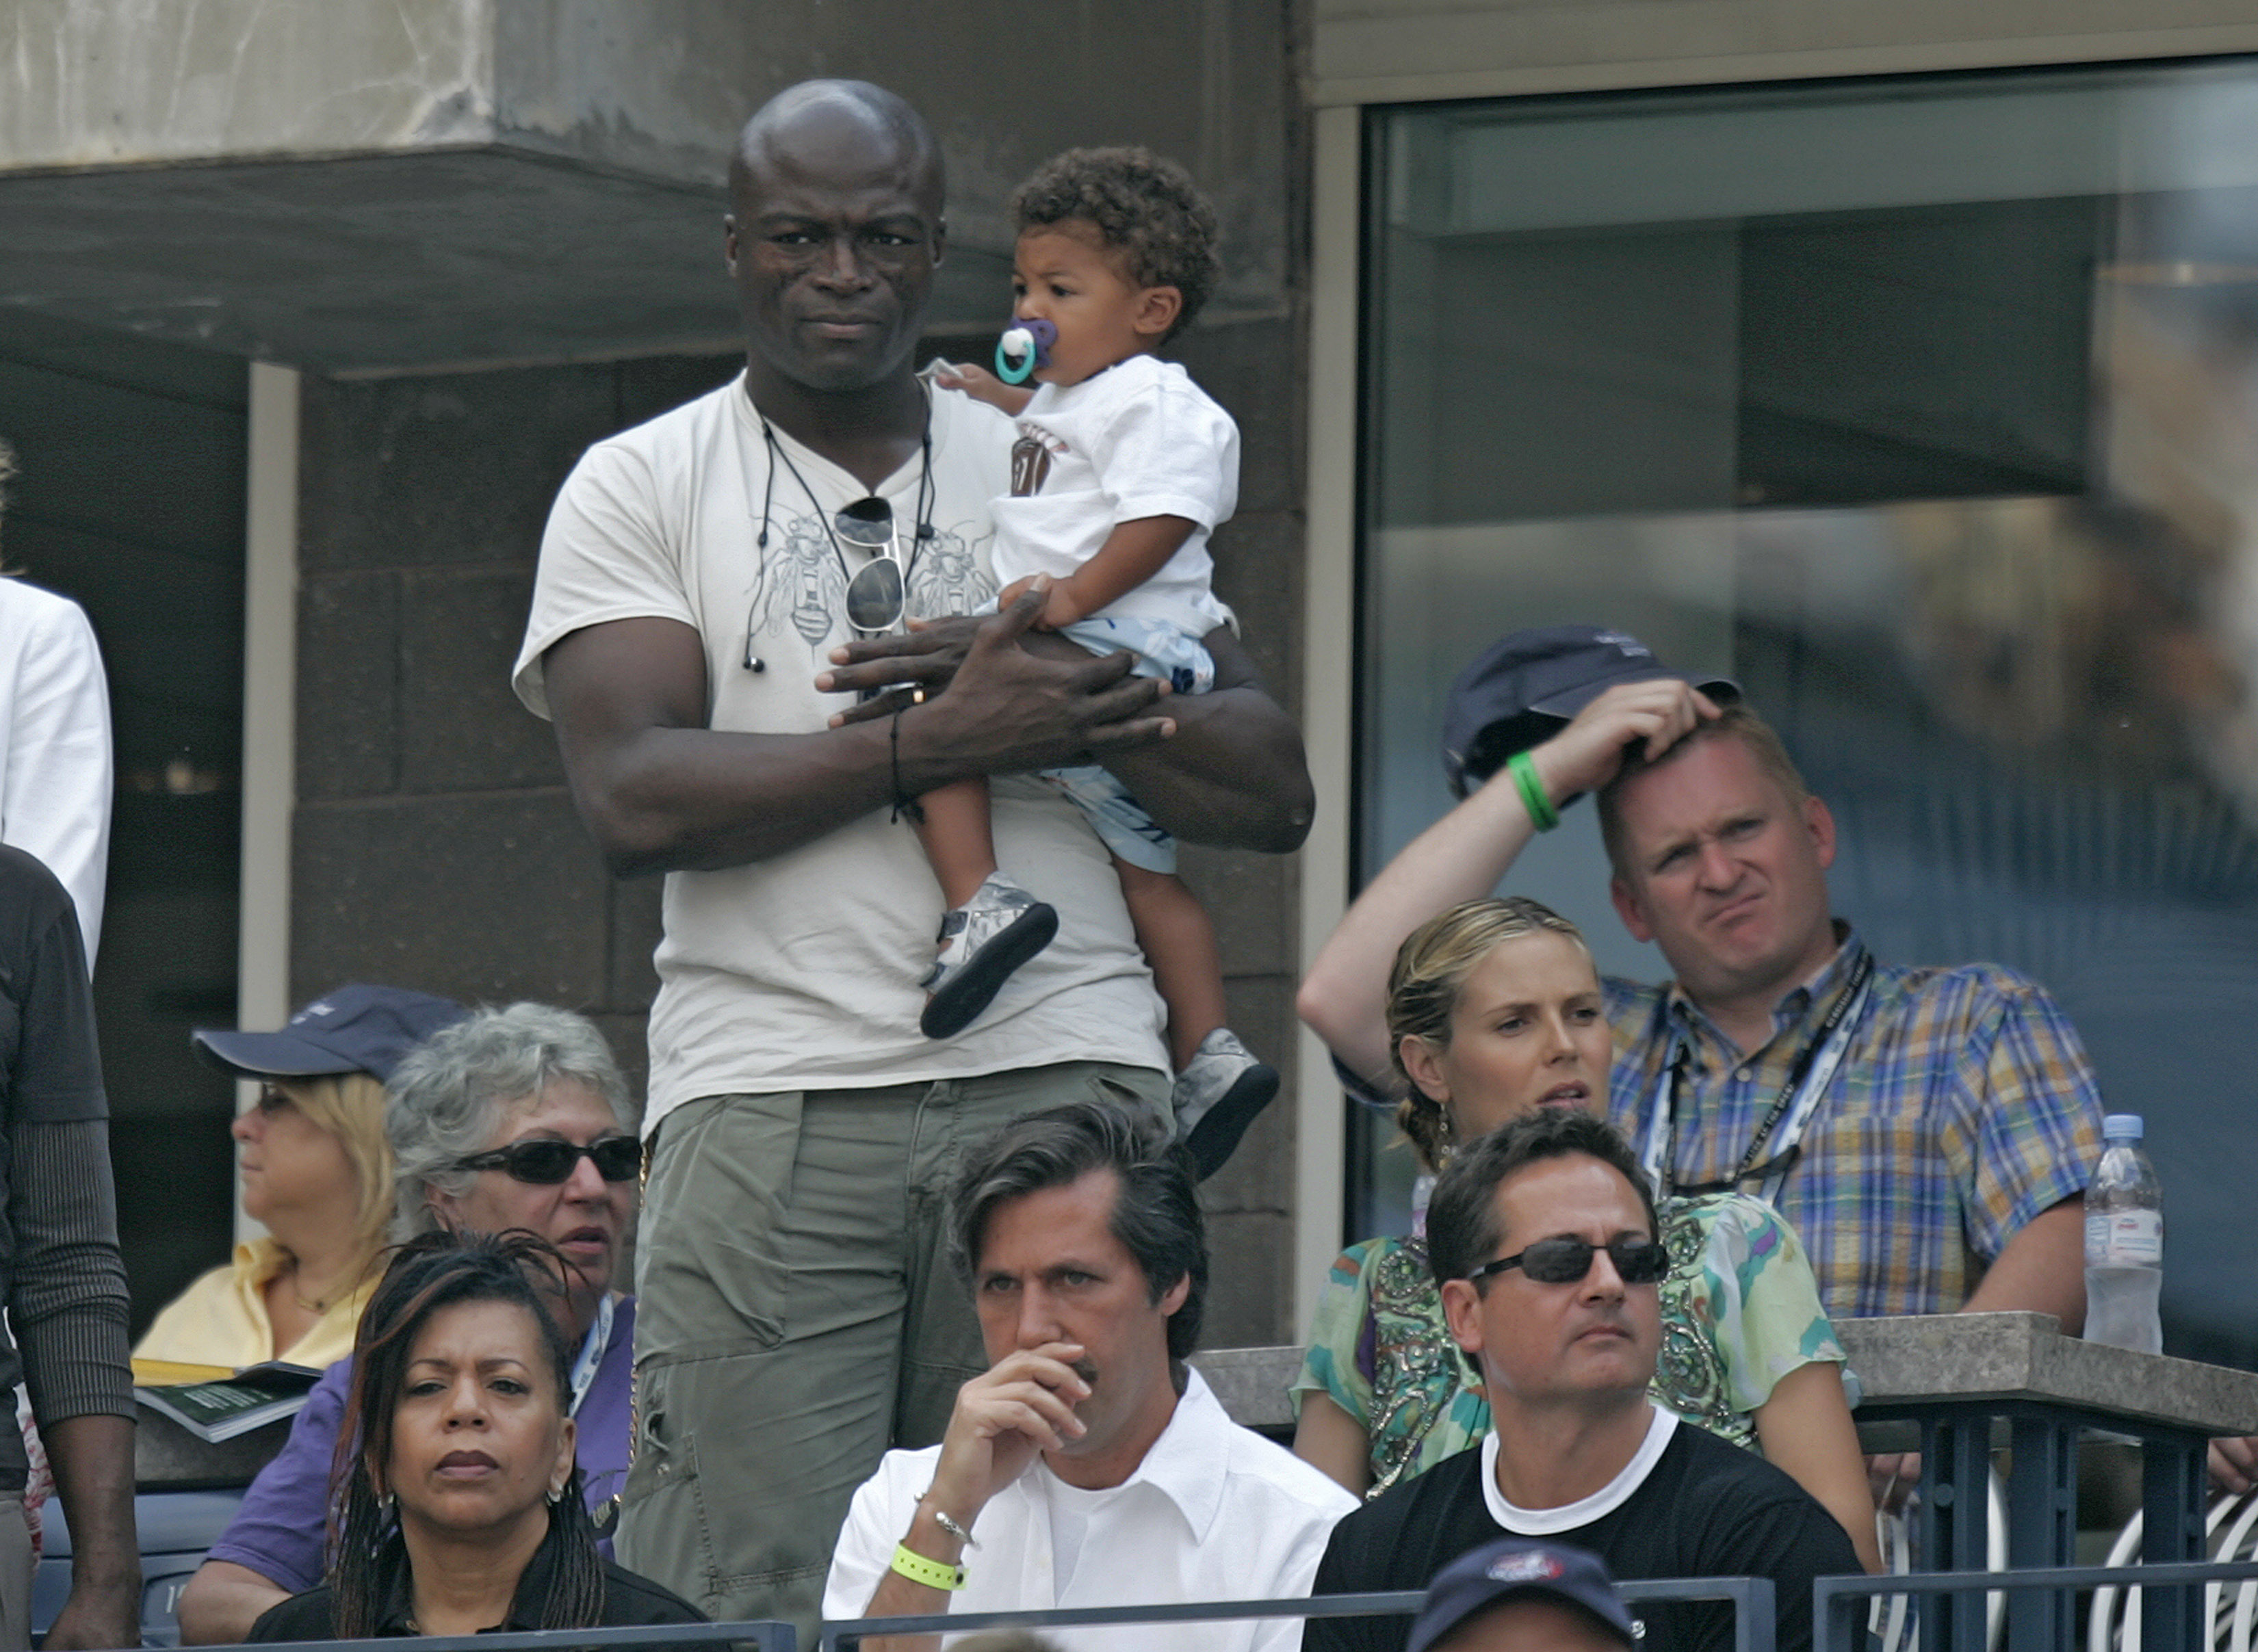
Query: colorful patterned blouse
(1740, 1310)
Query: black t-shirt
(1706, 1509)
(630, 1601)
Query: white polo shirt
(1214, 1512)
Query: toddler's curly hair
(1145, 210)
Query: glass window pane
(1924, 408)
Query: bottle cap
(2123, 1127)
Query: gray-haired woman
(513, 1118)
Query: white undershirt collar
(1544, 1522)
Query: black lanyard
(1840, 1019)
(924, 496)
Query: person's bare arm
(1806, 1431)
(2235, 1464)
(983, 385)
(1234, 774)
(223, 1600)
(92, 1457)
(1329, 1439)
(1462, 856)
(1133, 553)
(2041, 1271)
(660, 792)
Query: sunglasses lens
(1565, 1261)
(1639, 1261)
(874, 596)
(542, 1163)
(618, 1158)
(868, 523)
(1557, 1261)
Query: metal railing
(2171, 1600)
(1752, 1600)
(763, 1637)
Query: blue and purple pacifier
(1028, 344)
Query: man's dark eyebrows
(773, 220)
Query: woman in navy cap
(317, 1172)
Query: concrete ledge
(2026, 1356)
(1902, 1361)
(1251, 1382)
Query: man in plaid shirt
(1928, 1131)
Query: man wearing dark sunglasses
(1542, 1238)
(693, 637)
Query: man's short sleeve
(2034, 1113)
(279, 1530)
(609, 553)
(1755, 1292)
(1339, 1330)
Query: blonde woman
(316, 1173)
(1494, 1011)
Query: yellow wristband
(931, 1573)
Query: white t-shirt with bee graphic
(801, 971)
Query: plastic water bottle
(2124, 1242)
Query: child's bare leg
(1220, 1086)
(957, 838)
(992, 925)
(1180, 945)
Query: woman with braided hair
(457, 1505)
(1493, 1011)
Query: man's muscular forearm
(660, 792)
(1234, 776)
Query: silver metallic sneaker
(1217, 1098)
(982, 942)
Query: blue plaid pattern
(1964, 1106)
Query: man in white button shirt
(1090, 1465)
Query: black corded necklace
(925, 496)
(923, 493)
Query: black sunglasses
(1566, 1260)
(544, 1163)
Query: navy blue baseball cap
(1523, 689)
(1482, 1578)
(352, 1028)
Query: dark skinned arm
(92, 1457)
(660, 792)
(1235, 776)
(1133, 553)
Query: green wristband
(923, 1569)
(1523, 768)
